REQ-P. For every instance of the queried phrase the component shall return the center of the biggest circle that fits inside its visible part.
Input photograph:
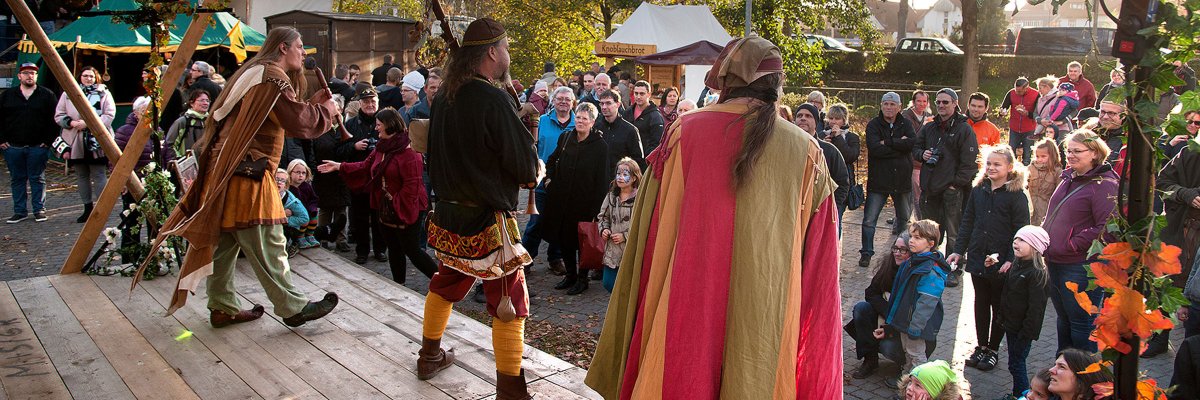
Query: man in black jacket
(27, 114)
(338, 84)
(622, 137)
(645, 116)
(332, 194)
(202, 74)
(950, 154)
(379, 74)
(889, 171)
(364, 223)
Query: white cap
(414, 81)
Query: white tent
(254, 12)
(672, 27)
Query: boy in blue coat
(916, 309)
(293, 208)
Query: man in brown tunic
(233, 205)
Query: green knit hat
(934, 376)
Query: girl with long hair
(615, 217)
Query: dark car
(1057, 41)
(927, 45)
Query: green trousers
(264, 246)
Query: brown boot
(557, 267)
(219, 319)
(432, 359)
(511, 387)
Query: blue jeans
(27, 167)
(865, 320)
(609, 279)
(533, 239)
(1018, 351)
(1074, 324)
(871, 209)
(1021, 140)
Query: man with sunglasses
(949, 152)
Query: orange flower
(1165, 261)
(1119, 254)
(1109, 275)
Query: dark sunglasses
(1197, 123)
(944, 102)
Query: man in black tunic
(480, 155)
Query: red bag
(591, 246)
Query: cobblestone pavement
(32, 249)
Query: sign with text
(613, 49)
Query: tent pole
(74, 93)
(124, 166)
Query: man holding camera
(948, 149)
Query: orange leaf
(1119, 254)
(1095, 367)
(1103, 390)
(1124, 313)
(1109, 275)
(1148, 390)
(1084, 302)
(1165, 261)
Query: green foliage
(992, 22)
(156, 204)
(411, 9)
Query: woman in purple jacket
(128, 235)
(1081, 205)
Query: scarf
(388, 148)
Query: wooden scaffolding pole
(74, 93)
(124, 168)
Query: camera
(371, 142)
(934, 158)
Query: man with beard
(480, 156)
(1112, 129)
(233, 206)
(364, 223)
(28, 116)
(645, 116)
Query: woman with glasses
(1084, 201)
(1172, 145)
(867, 313)
(188, 128)
(1179, 183)
(84, 153)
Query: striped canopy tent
(100, 33)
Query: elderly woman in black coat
(577, 178)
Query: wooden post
(124, 167)
(74, 93)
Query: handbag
(387, 215)
(856, 198)
(253, 169)
(591, 246)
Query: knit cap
(539, 86)
(1035, 236)
(413, 81)
(934, 376)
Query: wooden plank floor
(89, 337)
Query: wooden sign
(614, 49)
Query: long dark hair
(759, 124)
(461, 68)
(662, 100)
(1079, 360)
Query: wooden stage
(88, 337)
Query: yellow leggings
(507, 337)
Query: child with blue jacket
(293, 208)
(916, 310)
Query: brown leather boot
(219, 319)
(511, 387)
(432, 359)
(557, 267)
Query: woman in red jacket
(391, 174)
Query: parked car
(1057, 41)
(927, 45)
(829, 44)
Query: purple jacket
(122, 138)
(307, 195)
(1075, 223)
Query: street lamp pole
(749, 27)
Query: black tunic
(479, 155)
(579, 178)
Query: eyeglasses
(899, 249)
(1112, 113)
(1075, 151)
(563, 99)
(1197, 123)
(944, 102)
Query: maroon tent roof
(700, 53)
